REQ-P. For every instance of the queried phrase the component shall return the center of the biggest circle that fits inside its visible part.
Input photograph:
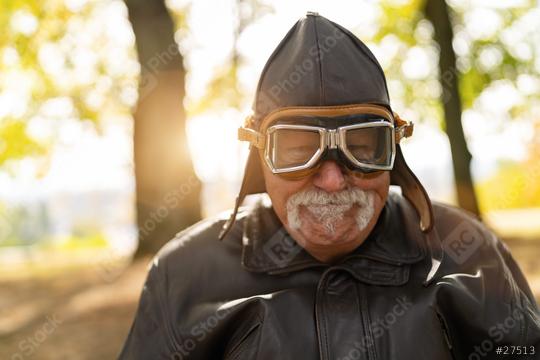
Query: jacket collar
(395, 240)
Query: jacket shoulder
(463, 235)
(199, 244)
(451, 221)
(478, 275)
(470, 247)
(195, 260)
(183, 273)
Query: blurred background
(118, 129)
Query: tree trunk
(437, 13)
(167, 189)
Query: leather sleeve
(150, 336)
(516, 272)
(524, 300)
(482, 296)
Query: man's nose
(330, 177)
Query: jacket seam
(321, 320)
(237, 350)
(366, 321)
(166, 319)
(443, 326)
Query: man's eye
(295, 154)
(299, 151)
(359, 147)
(361, 151)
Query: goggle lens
(291, 148)
(370, 145)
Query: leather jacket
(258, 295)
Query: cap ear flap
(252, 183)
(412, 190)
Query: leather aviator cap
(321, 65)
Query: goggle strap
(404, 128)
(255, 138)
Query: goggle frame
(329, 139)
(260, 139)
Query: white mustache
(329, 208)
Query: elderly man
(332, 265)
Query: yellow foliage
(15, 143)
(515, 185)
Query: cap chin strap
(412, 190)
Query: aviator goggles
(295, 140)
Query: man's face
(330, 212)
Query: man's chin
(316, 233)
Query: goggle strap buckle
(254, 137)
(404, 128)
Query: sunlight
(92, 73)
(217, 154)
(24, 22)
